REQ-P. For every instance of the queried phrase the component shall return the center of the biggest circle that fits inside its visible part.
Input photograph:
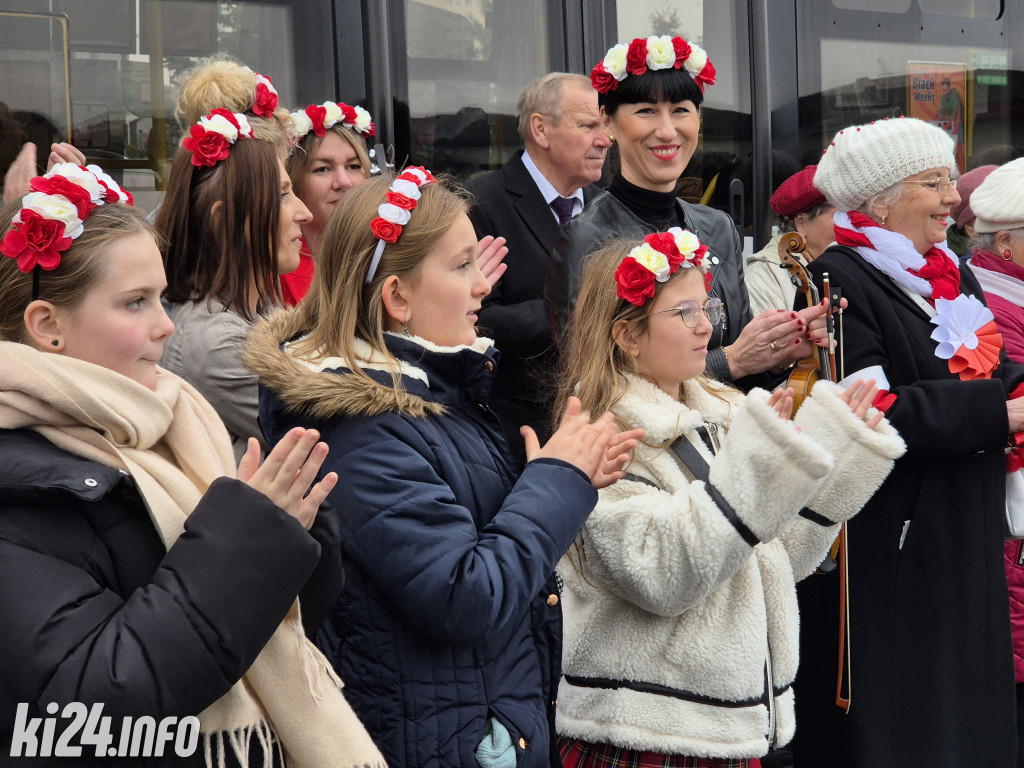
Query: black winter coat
(932, 668)
(94, 609)
(450, 612)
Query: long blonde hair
(340, 306)
(594, 364)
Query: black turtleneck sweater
(658, 209)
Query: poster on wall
(938, 95)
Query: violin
(805, 374)
(822, 362)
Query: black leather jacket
(607, 218)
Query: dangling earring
(1007, 254)
(405, 327)
(883, 221)
(55, 343)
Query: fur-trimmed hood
(432, 377)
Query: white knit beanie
(863, 160)
(998, 202)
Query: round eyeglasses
(690, 311)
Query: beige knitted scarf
(173, 444)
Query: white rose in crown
(408, 188)
(615, 61)
(394, 214)
(77, 175)
(334, 114)
(243, 125)
(363, 119)
(220, 124)
(301, 124)
(55, 207)
(111, 184)
(686, 241)
(661, 54)
(655, 261)
(697, 59)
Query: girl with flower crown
(447, 631)
(141, 575)
(650, 93)
(679, 599)
(930, 659)
(330, 157)
(232, 224)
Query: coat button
(522, 743)
(90, 482)
(488, 366)
(552, 599)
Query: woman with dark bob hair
(650, 92)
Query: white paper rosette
(957, 323)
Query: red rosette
(980, 362)
(665, 243)
(371, 130)
(75, 194)
(317, 115)
(883, 400)
(634, 282)
(207, 147)
(706, 76)
(400, 200)
(707, 281)
(266, 101)
(683, 51)
(602, 80)
(699, 254)
(636, 56)
(406, 176)
(129, 198)
(349, 113)
(385, 230)
(35, 240)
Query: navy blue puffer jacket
(450, 614)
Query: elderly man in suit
(526, 202)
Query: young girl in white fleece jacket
(679, 598)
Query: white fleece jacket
(671, 619)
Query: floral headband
(266, 101)
(658, 257)
(392, 216)
(652, 53)
(53, 213)
(318, 118)
(211, 138)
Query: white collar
(547, 191)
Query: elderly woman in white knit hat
(927, 662)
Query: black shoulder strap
(688, 455)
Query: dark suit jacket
(508, 204)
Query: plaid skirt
(584, 754)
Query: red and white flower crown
(656, 259)
(211, 138)
(652, 53)
(52, 214)
(265, 101)
(318, 118)
(393, 215)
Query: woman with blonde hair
(450, 611)
(329, 158)
(232, 224)
(143, 578)
(679, 593)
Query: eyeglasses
(939, 185)
(690, 311)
